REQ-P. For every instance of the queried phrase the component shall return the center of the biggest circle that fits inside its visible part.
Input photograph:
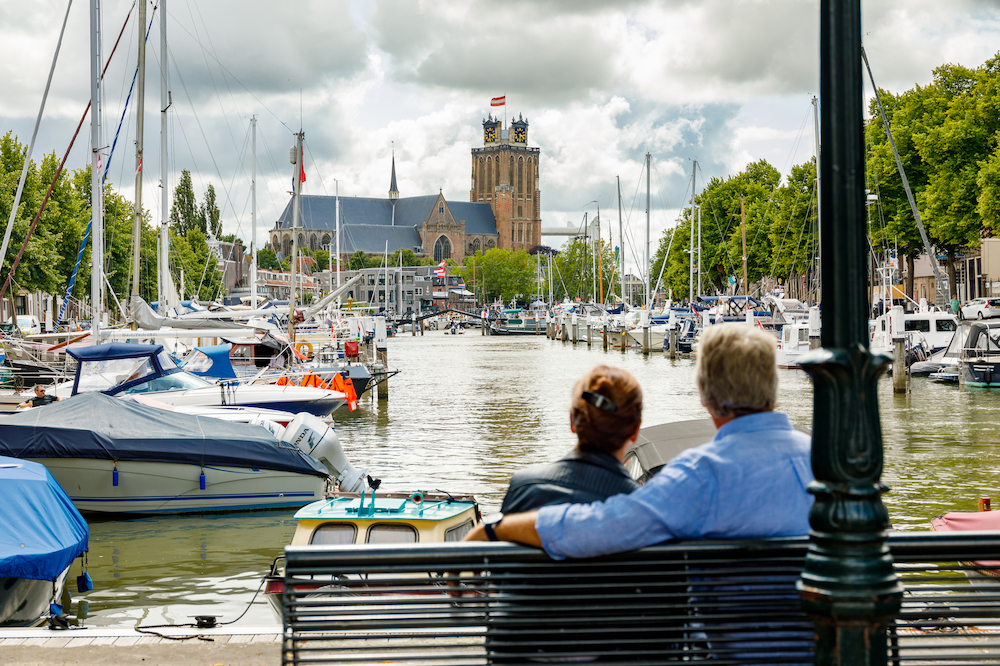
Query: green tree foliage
(209, 216)
(267, 259)
(51, 252)
(575, 273)
(184, 213)
(202, 279)
(500, 274)
(118, 223)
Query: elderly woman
(605, 414)
(749, 481)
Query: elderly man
(749, 481)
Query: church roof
(319, 212)
(372, 238)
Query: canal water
(467, 411)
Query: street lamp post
(848, 584)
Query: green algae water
(467, 411)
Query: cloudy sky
(601, 82)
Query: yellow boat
(358, 518)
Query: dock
(111, 646)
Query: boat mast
(96, 193)
(600, 259)
(165, 281)
(621, 245)
(253, 212)
(337, 235)
(743, 228)
(647, 304)
(699, 246)
(691, 293)
(140, 112)
(297, 182)
(819, 275)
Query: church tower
(505, 175)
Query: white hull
(154, 487)
(656, 335)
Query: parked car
(30, 325)
(981, 308)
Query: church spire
(393, 191)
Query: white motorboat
(114, 456)
(128, 369)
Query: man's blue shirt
(749, 481)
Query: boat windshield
(100, 375)
(173, 382)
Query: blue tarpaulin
(94, 425)
(212, 361)
(41, 532)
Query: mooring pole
(848, 584)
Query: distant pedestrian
(956, 308)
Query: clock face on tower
(520, 134)
(490, 134)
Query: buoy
(114, 475)
(201, 480)
(305, 348)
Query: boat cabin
(358, 518)
(121, 367)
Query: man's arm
(519, 527)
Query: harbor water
(467, 411)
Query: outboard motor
(320, 441)
(272, 427)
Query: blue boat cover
(94, 425)
(41, 532)
(212, 361)
(114, 350)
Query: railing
(733, 602)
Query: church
(503, 209)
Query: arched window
(302, 241)
(287, 246)
(520, 176)
(312, 242)
(531, 178)
(490, 244)
(326, 241)
(442, 249)
(510, 172)
(475, 246)
(489, 176)
(479, 176)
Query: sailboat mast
(621, 245)
(647, 232)
(164, 280)
(743, 228)
(600, 258)
(96, 192)
(337, 236)
(698, 293)
(297, 181)
(691, 241)
(140, 110)
(819, 236)
(253, 212)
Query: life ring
(417, 497)
(305, 348)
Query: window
(441, 210)
(391, 533)
(633, 467)
(921, 325)
(333, 534)
(489, 176)
(520, 212)
(520, 178)
(458, 532)
(419, 291)
(520, 233)
(945, 325)
(442, 249)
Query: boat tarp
(41, 532)
(97, 426)
(212, 361)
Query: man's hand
(518, 527)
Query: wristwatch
(489, 524)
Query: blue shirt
(749, 481)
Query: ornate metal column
(848, 584)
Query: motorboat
(40, 536)
(122, 368)
(983, 575)
(354, 518)
(114, 456)
(943, 364)
(979, 360)
(793, 343)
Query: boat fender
(114, 475)
(201, 480)
(417, 497)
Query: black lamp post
(848, 584)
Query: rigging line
(226, 70)
(55, 178)
(31, 144)
(723, 238)
(791, 215)
(274, 167)
(315, 164)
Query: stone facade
(505, 175)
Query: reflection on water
(463, 415)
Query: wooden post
(899, 348)
(421, 327)
(383, 360)
(673, 342)
(814, 327)
(624, 338)
(575, 332)
(604, 335)
(589, 332)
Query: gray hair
(736, 370)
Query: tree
(267, 259)
(202, 279)
(209, 215)
(575, 273)
(184, 213)
(500, 274)
(409, 258)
